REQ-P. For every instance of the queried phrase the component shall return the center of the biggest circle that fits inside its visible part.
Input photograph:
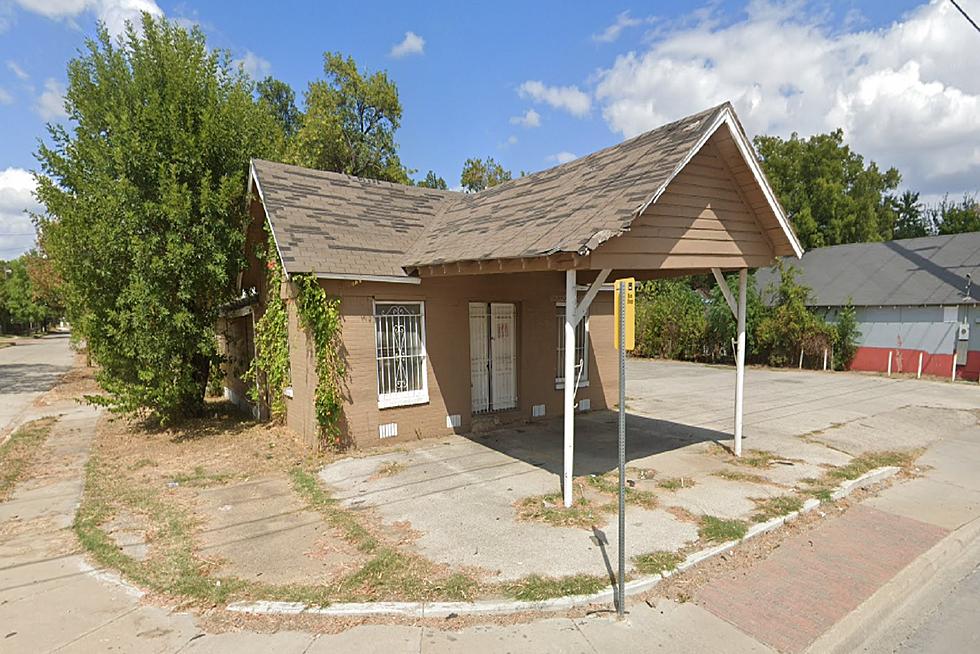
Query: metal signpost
(625, 336)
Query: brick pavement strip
(816, 578)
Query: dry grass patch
(608, 484)
(719, 530)
(550, 509)
(654, 563)
(535, 588)
(389, 469)
(18, 452)
(738, 475)
(675, 483)
(774, 507)
(823, 487)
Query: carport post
(571, 296)
(740, 360)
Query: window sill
(402, 399)
(560, 384)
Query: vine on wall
(320, 315)
(269, 369)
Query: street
(27, 370)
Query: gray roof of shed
(917, 271)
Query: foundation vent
(388, 430)
(453, 421)
(585, 405)
(537, 410)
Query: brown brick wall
(447, 343)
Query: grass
(199, 477)
(17, 452)
(757, 458)
(636, 496)
(738, 475)
(674, 483)
(774, 507)
(534, 588)
(656, 562)
(719, 530)
(550, 509)
(823, 488)
(389, 469)
(305, 483)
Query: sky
(537, 84)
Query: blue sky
(591, 73)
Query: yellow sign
(630, 313)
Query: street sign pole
(621, 578)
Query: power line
(966, 15)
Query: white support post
(889, 363)
(570, 309)
(952, 373)
(918, 374)
(825, 359)
(740, 360)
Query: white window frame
(402, 398)
(584, 379)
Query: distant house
(463, 311)
(913, 296)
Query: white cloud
(411, 44)
(561, 157)
(511, 140)
(51, 103)
(529, 118)
(256, 67)
(5, 97)
(16, 196)
(623, 21)
(17, 70)
(114, 13)
(903, 93)
(569, 98)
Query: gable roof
(930, 270)
(343, 226)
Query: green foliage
(831, 196)
(320, 316)
(432, 181)
(956, 217)
(144, 193)
(670, 320)
(912, 220)
(269, 369)
(479, 175)
(846, 334)
(713, 529)
(654, 563)
(789, 326)
(21, 308)
(722, 327)
(535, 588)
(280, 100)
(350, 123)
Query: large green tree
(431, 180)
(145, 206)
(350, 123)
(950, 217)
(480, 174)
(280, 99)
(829, 192)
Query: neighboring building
(453, 305)
(913, 296)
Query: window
(399, 329)
(581, 350)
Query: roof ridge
(366, 180)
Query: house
(466, 311)
(916, 301)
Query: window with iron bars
(581, 350)
(400, 345)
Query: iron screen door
(493, 356)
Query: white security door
(479, 358)
(503, 353)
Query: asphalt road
(953, 625)
(28, 369)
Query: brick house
(457, 307)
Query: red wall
(875, 359)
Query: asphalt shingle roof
(336, 224)
(917, 271)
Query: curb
(504, 607)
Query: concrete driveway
(27, 370)
(459, 493)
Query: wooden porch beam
(727, 292)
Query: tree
(912, 220)
(432, 181)
(789, 326)
(281, 102)
(829, 193)
(956, 217)
(721, 327)
(144, 193)
(350, 123)
(479, 175)
(846, 334)
(20, 303)
(670, 320)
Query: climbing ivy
(320, 316)
(269, 370)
